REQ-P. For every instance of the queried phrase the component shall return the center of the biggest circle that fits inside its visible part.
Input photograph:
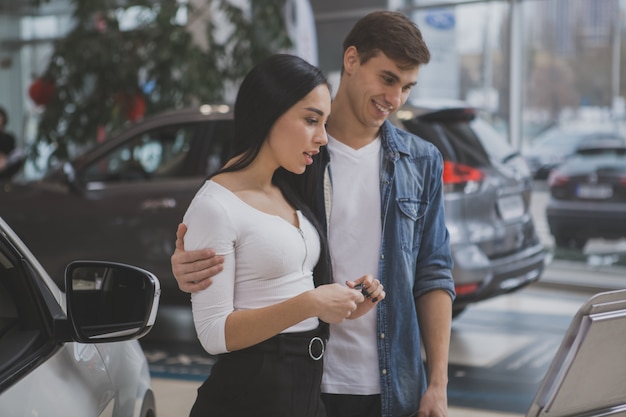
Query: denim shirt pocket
(410, 223)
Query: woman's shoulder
(210, 218)
(219, 186)
(211, 199)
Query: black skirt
(279, 377)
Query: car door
(39, 377)
(136, 194)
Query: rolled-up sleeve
(434, 260)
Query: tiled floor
(175, 397)
(499, 353)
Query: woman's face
(298, 134)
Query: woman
(264, 315)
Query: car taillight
(461, 178)
(466, 289)
(557, 180)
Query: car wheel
(568, 242)
(148, 407)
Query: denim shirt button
(384, 371)
(382, 256)
(382, 335)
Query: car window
(215, 143)
(493, 141)
(22, 332)
(600, 153)
(159, 153)
(472, 142)
(467, 147)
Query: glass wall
(572, 55)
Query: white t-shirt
(351, 358)
(267, 260)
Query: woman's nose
(322, 136)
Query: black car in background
(588, 195)
(124, 199)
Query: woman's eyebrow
(315, 110)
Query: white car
(73, 354)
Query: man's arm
(434, 312)
(193, 270)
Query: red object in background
(41, 91)
(137, 107)
(133, 106)
(101, 134)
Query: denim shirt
(414, 258)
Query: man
(378, 190)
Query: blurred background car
(588, 195)
(124, 198)
(552, 147)
(55, 355)
(487, 187)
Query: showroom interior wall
(529, 63)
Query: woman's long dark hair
(267, 92)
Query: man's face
(377, 87)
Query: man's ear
(350, 59)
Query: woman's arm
(219, 326)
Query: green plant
(106, 75)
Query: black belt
(309, 343)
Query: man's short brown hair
(391, 33)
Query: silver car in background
(55, 355)
(487, 187)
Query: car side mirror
(109, 302)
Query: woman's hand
(372, 290)
(335, 303)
